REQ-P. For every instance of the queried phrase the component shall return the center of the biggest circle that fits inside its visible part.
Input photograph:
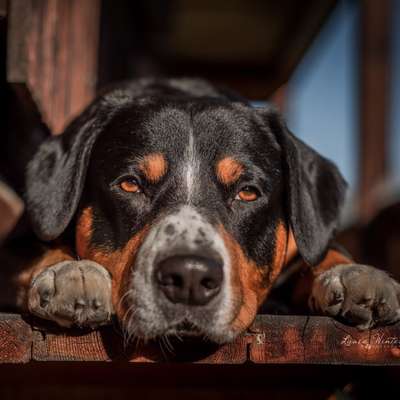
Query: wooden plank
(68, 346)
(374, 100)
(107, 345)
(52, 49)
(322, 340)
(15, 339)
(271, 340)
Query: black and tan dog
(184, 205)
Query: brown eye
(248, 193)
(130, 185)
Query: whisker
(169, 345)
(127, 293)
(161, 344)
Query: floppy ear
(56, 174)
(316, 193)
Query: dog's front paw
(359, 295)
(72, 293)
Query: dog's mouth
(187, 329)
(186, 342)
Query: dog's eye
(130, 185)
(248, 193)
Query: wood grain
(15, 339)
(322, 340)
(270, 340)
(107, 344)
(52, 49)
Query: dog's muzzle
(181, 278)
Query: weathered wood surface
(58, 40)
(270, 340)
(15, 339)
(321, 340)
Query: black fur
(297, 185)
(316, 193)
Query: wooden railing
(270, 340)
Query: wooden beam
(52, 49)
(374, 100)
(300, 33)
(3, 8)
(270, 340)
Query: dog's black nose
(190, 280)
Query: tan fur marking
(228, 170)
(291, 251)
(304, 285)
(281, 252)
(84, 231)
(249, 280)
(118, 263)
(332, 258)
(154, 166)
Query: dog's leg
(59, 288)
(359, 295)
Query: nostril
(209, 283)
(169, 279)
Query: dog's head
(189, 199)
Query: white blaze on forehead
(190, 166)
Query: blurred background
(331, 67)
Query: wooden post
(52, 49)
(374, 100)
(3, 8)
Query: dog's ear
(315, 189)
(56, 174)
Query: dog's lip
(187, 328)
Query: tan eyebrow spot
(229, 170)
(154, 166)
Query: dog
(176, 207)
